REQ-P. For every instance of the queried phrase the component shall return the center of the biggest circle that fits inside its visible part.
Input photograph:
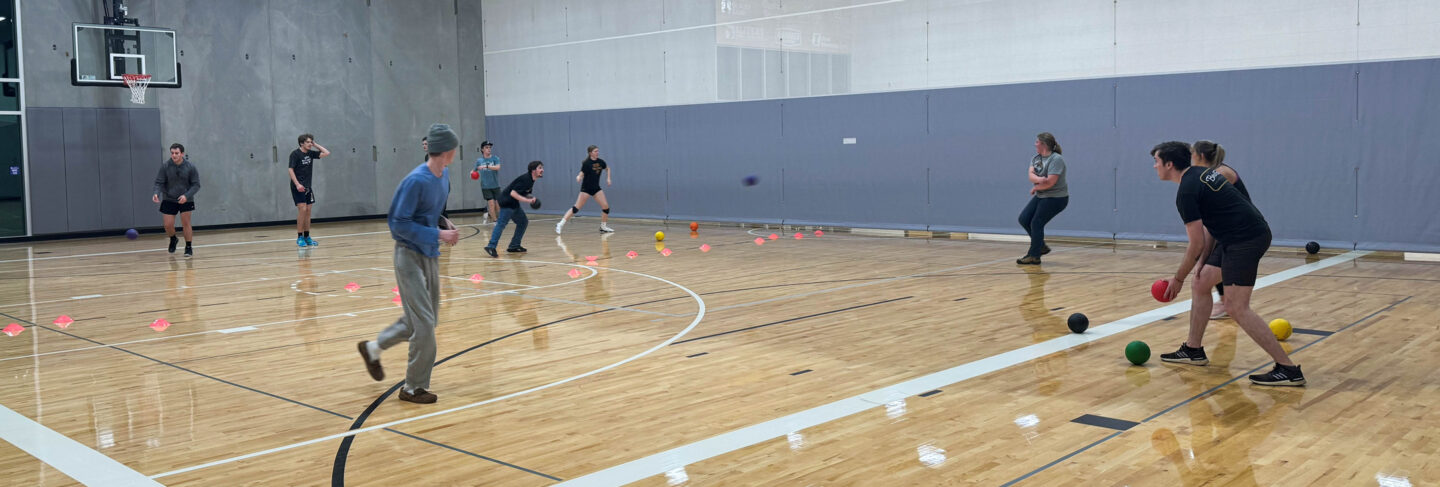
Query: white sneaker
(606, 228)
(484, 218)
(559, 226)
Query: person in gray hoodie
(175, 188)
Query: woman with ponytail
(1049, 195)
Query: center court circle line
(700, 315)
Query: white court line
(351, 314)
(698, 316)
(226, 244)
(71, 458)
(659, 463)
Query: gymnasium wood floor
(834, 360)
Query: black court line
(482, 457)
(773, 323)
(1201, 395)
(1057, 309)
(1104, 422)
(1307, 331)
(257, 391)
(262, 299)
(342, 454)
(277, 347)
(806, 371)
(151, 311)
(930, 393)
(960, 299)
(697, 355)
(212, 304)
(1169, 318)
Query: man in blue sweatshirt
(418, 230)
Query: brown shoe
(1028, 260)
(372, 366)
(420, 396)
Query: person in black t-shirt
(302, 163)
(509, 201)
(1216, 213)
(589, 179)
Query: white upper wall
(566, 55)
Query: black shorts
(490, 193)
(173, 208)
(1217, 256)
(590, 190)
(306, 198)
(1240, 261)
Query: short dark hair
(1173, 152)
(303, 138)
(177, 146)
(591, 149)
(425, 138)
(485, 144)
(533, 165)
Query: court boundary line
(700, 315)
(678, 457)
(70, 457)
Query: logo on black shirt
(1213, 179)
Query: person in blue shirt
(488, 165)
(418, 230)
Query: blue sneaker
(312, 242)
(300, 241)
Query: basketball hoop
(137, 84)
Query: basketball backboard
(103, 53)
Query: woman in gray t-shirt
(1050, 195)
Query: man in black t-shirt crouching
(509, 201)
(1216, 213)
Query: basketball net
(137, 84)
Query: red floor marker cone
(705, 248)
(352, 287)
(774, 236)
(476, 278)
(819, 233)
(759, 241)
(63, 321)
(159, 325)
(574, 273)
(665, 252)
(799, 235)
(632, 254)
(14, 329)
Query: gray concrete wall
(365, 77)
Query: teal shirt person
(489, 179)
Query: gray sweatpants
(419, 282)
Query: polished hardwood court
(576, 359)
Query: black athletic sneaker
(1044, 249)
(1186, 355)
(173, 241)
(189, 252)
(516, 250)
(1281, 375)
(491, 251)
(1028, 260)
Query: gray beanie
(442, 139)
